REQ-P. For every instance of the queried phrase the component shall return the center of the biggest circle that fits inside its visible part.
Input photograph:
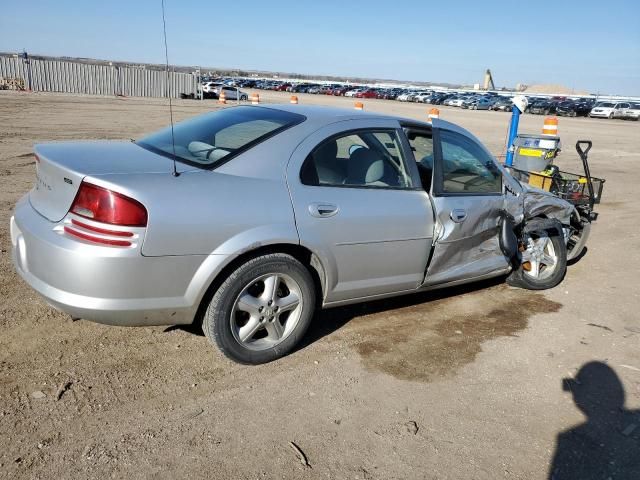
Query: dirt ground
(455, 384)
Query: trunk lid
(60, 168)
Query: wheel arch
(305, 256)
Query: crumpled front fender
(539, 203)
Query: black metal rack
(578, 189)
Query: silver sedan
(249, 218)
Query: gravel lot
(454, 384)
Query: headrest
(327, 150)
(365, 167)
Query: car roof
(328, 115)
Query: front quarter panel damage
(539, 203)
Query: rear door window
(421, 144)
(363, 158)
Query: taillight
(102, 205)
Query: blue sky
(590, 45)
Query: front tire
(262, 310)
(542, 261)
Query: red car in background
(282, 87)
(369, 93)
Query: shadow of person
(607, 445)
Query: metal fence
(93, 79)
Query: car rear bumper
(107, 284)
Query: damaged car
(250, 218)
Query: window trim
(406, 127)
(345, 133)
(437, 184)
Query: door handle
(458, 215)
(322, 210)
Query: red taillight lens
(105, 206)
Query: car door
(467, 194)
(359, 207)
(619, 110)
(230, 93)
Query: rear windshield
(211, 139)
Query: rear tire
(543, 261)
(262, 310)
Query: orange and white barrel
(358, 106)
(222, 98)
(255, 99)
(550, 126)
(434, 113)
(294, 100)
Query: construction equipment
(488, 81)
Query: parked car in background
(233, 93)
(211, 87)
(455, 101)
(482, 103)
(422, 97)
(543, 107)
(368, 93)
(571, 108)
(340, 91)
(441, 98)
(620, 108)
(352, 92)
(247, 84)
(604, 110)
(632, 112)
(385, 94)
(531, 101)
(299, 88)
(503, 104)
(406, 97)
(469, 100)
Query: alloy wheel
(539, 258)
(266, 311)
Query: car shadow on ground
(607, 444)
(330, 320)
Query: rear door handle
(458, 215)
(322, 210)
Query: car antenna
(166, 56)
